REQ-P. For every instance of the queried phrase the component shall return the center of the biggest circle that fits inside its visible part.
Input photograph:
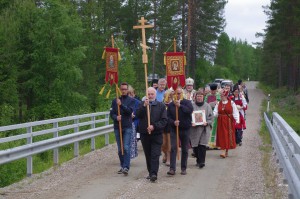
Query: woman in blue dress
(135, 122)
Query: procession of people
(165, 121)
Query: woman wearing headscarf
(200, 134)
(241, 105)
(228, 116)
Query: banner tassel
(107, 95)
(119, 56)
(103, 54)
(102, 90)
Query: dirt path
(94, 175)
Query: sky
(244, 18)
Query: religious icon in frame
(198, 117)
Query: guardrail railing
(92, 125)
(287, 145)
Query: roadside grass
(15, 171)
(286, 104)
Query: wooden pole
(177, 127)
(145, 57)
(117, 97)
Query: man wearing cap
(212, 99)
(154, 83)
(189, 91)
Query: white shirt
(235, 113)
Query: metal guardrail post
(107, 135)
(29, 158)
(268, 105)
(76, 144)
(55, 151)
(93, 125)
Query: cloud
(244, 18)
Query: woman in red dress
(228, 116)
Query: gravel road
(94, 175)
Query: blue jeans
(126, 135)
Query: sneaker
(125, 171)
(171, 172)
(183, 172)
(240, 144)
(153, 178)
(148, 177)
(120, 171)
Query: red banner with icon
(175, 62)
(111, 57)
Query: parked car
(225, 82)
(218, 80)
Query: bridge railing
(287, 145)
(94, 124)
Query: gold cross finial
(142, 21)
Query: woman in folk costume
(241, 105)
(228, 116)
(200, 134)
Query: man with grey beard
(151, 136)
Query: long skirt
(134, 150)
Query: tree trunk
(183, 25)
(192, 48)
(154, 37)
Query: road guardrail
(287, 145)
(94, 124)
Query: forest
(51, 66)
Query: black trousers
(184, 137)
(238, 135)
(200, 154)
(152, 149)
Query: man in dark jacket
(126, 105)
(184, 123)
(151, 136)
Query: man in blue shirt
(160, 92)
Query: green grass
(285, 103)
(15, 171)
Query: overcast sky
(244, 18)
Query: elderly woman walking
(200, 134)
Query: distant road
(94, 175)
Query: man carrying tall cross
(151, 127)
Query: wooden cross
(143, 44)
(145, 57)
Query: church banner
(111, 56)
(175, 62)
